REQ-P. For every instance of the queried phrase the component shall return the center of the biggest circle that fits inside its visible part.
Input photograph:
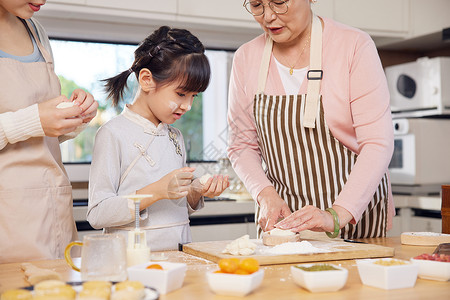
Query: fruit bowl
(170, 278)
(433, 267)
(387, 273)
(316, 277)
(234, 284)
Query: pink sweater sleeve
(372, 136)
(243, 149)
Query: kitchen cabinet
(424, 224)
(416, 213)
(323, 8)
(214, 9)
(226, 24)
(166, 6)
(380, 17)
(429, 16)
(68, 1)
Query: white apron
(305, 163)
(36, 213)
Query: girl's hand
(87, 104)
(213, 187)
(56, 121)
(176, 184)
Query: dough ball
(65, 105)
(281, 232)
(205, 178)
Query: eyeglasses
(256, 8)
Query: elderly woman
(310, 129)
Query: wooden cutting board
(339, 250)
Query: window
(85, 64)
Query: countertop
(277, 284)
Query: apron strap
(44, 51)
(264, 67)
(314, 75)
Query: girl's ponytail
(171, 55)
(115, 86)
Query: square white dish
(164, 281)
(234, 284)
(387, 277)
(433, 270)
(320, 281)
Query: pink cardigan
(356, 105)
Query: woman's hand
(56, 121)
(272, 208)
(213, 187)
(87, 104)
(315, 219)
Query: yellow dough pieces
(35, 275)
(128, 290)
(17, 294)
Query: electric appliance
(421, 160)
(420, 88)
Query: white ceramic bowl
(233, 284)
(433, 270)
(320, 281)
(165, 281)
(387, 277)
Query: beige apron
(305, 163)
(36, 213)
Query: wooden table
(277, 284)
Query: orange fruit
(155, 266)
(228, 265)
(250, 265)
(241, 272)
(218, 271)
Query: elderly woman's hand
(315, 219)
(272, 208)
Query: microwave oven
(421, 152)
(420, 88)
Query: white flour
(303, 247)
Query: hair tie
(130, 70)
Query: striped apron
(305, 163)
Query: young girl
(138, 152)
(35, 194)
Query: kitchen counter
(277, 284)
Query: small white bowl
(320, 281)
(387, 277)
(433, 270)
(234, 284)
(165, 281)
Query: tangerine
(241, 272)
(228, 265)
(155, 266)
(250, 265)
